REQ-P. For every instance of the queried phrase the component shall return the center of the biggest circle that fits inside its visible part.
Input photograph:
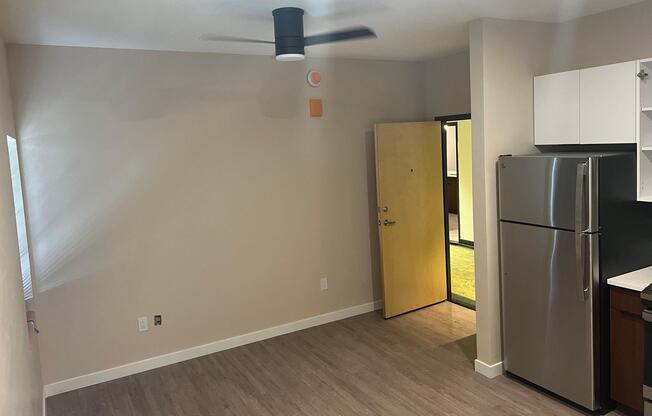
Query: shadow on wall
(374, 242)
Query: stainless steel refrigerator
(567, 223)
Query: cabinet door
(557, 108)
(627, 338)
(608, 104)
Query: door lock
(389, 222)
(385, 209)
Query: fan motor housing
(288, 31)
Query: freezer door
(548, 330)
(551, 191)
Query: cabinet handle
(647, 316)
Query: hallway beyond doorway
(459, 206)
(462, 273)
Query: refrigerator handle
(580, 198)
(583, 277)
(580, 212)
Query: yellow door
(410, 189)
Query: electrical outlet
(158, 320)
(324, 283)
(143, 325)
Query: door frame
(444, 120)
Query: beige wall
(616, 36)
(195, 186)
(448, 87)
(505, 56)
(20, 379)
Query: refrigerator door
(550, 191)
(548, 324)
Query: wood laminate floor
(420, 363)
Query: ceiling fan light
(289, 57)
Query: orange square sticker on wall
(316, 108)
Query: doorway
(458, 195)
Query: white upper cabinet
(608, 104)
(557, 108)
(589, 106)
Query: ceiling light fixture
(289, 57)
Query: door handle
(389, 222)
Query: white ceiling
(407, 29)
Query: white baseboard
(489, 371)
(206, 349)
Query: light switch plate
(324, 283)
(143, 325)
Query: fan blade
(217, 38)
(359, 32)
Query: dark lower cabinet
(627, 337)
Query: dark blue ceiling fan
(289, 39)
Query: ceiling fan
(289, 39)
